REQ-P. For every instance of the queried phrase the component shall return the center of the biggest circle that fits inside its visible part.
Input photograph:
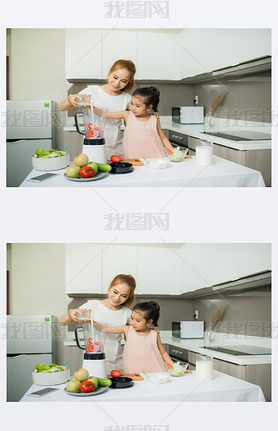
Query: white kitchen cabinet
(118, 259)
(205, 50)
(156, 270)
(205, 265)
(156, 54)
(118, 44)
(83, 54)
(83, 267)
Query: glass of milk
(204, 153)
(204, 367)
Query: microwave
(188, 329)
(188, 114)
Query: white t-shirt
(112, 130)
(112, 346)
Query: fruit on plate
(81, 160)
(73, 386)
(115, 158)
(73, 171)
(94, 380)
(87, 386)
(87, 172)
(81, 375)
(116, 373)
(104, 382)
(94, 166)
(104, 167)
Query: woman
(112, 96)
(112, 311)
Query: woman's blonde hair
(128, 65)
(130, 281)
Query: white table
(222, 173)
(178, 389)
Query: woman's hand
(72, 314)
(155, 115)
(155, 330)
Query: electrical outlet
(196, 314)
(196, 100)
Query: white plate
(98, 176)
(99, 390)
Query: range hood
(255, 66)
(259, 279)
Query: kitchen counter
(224, 125)
(178, 389)
(196, 345)
(222, 173)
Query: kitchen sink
(240, 350)
(244, 135)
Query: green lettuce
(52, 368)
(48, 154)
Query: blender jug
(94, 357)
(94, 142)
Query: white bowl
(158, 163)
(45, 379)
(158, 378)
(51, 164)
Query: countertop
(219, 124)
(177, 389)
(195, 345)
(221, 173)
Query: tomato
(86, 172)
(87, 386)
(115, 159)
(168, 151)
(116, 373)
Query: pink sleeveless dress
(141, 353)
(141, 138)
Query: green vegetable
(104, 382)
(48, 154)
(52, 368)
(104, 167)
(177, 155)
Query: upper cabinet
(83, 54)
(206, 50)
(162, 54)
(206, 265)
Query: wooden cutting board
(134, 162)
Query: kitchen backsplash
(247, 313)
(248, 97)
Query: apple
(73, 386)
(73, 171)
(81, 160)
(94, 166)
(94, 380)
(81, 374)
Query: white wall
(37, 69)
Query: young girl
(143, 136)
(112, 311)
(143, 350)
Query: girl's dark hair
(150, 310)
(150, 94)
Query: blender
(93, 130)
(94, 338)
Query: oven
(180, 140)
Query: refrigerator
(29, 127)
(29, 343)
